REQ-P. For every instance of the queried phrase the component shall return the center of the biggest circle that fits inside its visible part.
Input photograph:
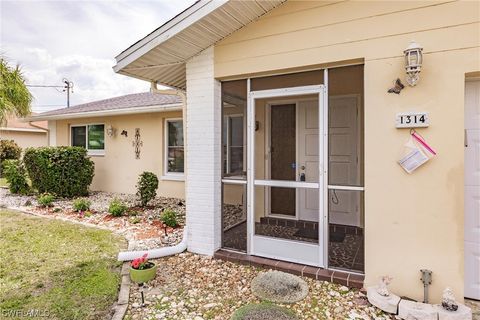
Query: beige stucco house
(25, 134)
(294, 130)
(125, 136)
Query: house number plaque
(412, 120)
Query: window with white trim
(175, 155)
(90, 137)
(233, 144)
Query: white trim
(287, 184)
(173, 177)
(23, 130)
(232, 181)
(90, 152)
(250, 168)
(346, 188)
(179, 176)
(167, 31)
(114, 112)
(323, 201)
(227, 117)
(52, 133)
(286, 92)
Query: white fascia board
(23, 129)
(103, 113)
(167, 31)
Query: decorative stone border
(124, 294)
(406, 309)
(351, 280)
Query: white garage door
(472, 189)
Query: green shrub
(169, 217)
(63, 171)
(9, 150)
(147, 187)
(117, 208)
(81, 204)
(16, 176)
(46, 200)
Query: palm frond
(15, 98)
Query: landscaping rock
(463, 313)
(416, 310)
(279, 286)
(263, 312)
(388, 304)
(187, 282)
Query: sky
(78, 40)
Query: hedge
(63, 171)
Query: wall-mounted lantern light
(413, 62)
(111, 131)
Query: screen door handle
(465, 138)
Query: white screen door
(290, 240)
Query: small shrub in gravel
(279, 286)
(81, 204)
(263, 311)
(135, 220)
(147, 187)
(117, 208)
(46, 200)
(169, 217)
(16, 175)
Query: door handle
(302, 177)
(465, 138)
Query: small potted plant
(142, 270)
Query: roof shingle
(135, 100)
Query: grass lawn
(64, 270)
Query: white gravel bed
(143, 230)
(190, 286)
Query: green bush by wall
(16, 176)
(9, 150)
(63, 171)
(147, 187)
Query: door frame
(466, 280)
(266, 246)
(268, 143)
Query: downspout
(156, 253)
(182, 246)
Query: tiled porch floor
(344, 253)
(339, 277)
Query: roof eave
(194, 13)
(132, 75)
(23, 129)
(105, 113)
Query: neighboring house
(25, 134)
(125, 136)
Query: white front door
(307, 158)
(472, 190)
(344, 159)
